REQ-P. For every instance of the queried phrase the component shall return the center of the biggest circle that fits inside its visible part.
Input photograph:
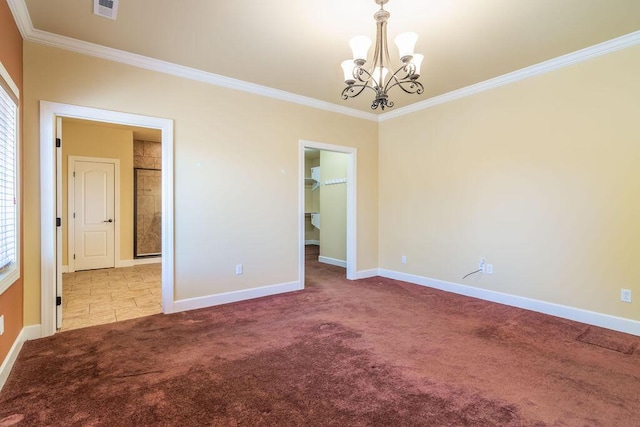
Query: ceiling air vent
(106, 8)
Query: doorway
(349, 250)
(51, 205)
(102, 281)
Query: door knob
(109, 220)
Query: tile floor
(96, 297)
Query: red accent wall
(11, 301)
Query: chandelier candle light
(358, 78)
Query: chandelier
(358, 77)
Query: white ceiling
(297, 45)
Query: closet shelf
(310, 182)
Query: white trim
(366, 274)
(124, 263)
(312, 242)
(71, 243)
(143, 261)
(332, 261)
(48, 113)
(27, 333)
(234, 296)
(138, 261)
(352, 173)
(582, 55)
(7, 78)
(577, 314)
(64, 269)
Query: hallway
(96, 297)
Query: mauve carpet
(340, 353)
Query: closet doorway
(327, 205)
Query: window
(9, 230)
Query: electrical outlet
(625, 295)
(238, 269)
(1, 324)
(481, 265)
(489, 268)
(404, 259)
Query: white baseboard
(124, 263)
(127, 262)
(577, 314)
(312, 242)
(142, 261)
(137, 261)
(235, 296)
(27, 333)
(365, 274)
(333, 261)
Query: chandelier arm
(358, 72)
(375, 63)
(395, 78)
(347, 95)
(409, 70)
(419, 89)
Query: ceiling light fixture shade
(358, 78)
(406, 43)
(347, 69)
(417, 63)
(360, 47)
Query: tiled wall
(148, 212)
(147, 155)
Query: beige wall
(333, 206)
(236, 169)
(541, 177)
(89, 140)
(11, 302)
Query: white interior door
(94, 215)
(58, 224)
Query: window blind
(8, 145)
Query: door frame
(50, 264)
(71, 197)
(351, 153)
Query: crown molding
(23, 21)
(585, 54)
(21, 16)
(29, 33)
